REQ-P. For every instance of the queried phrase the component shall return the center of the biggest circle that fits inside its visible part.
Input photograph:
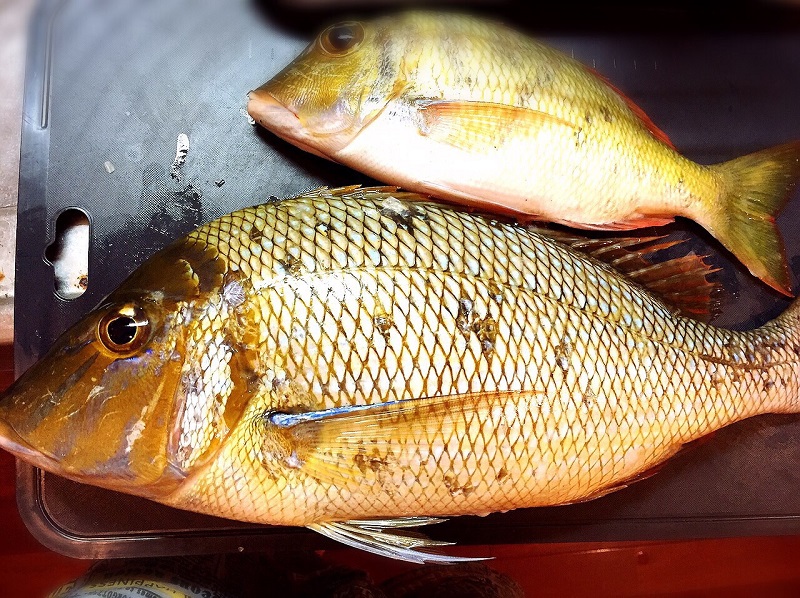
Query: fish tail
(756, 187)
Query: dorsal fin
(640, 114)
(682, 282)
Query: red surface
(27, 569)
(728, 567)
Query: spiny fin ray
(682, 282)
(371, 536)
(655, 131)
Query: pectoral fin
(354, 444)
(477, 126)
(371, 536)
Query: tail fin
(757, 187)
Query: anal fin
(372, 536)
(680, 449)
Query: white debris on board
(109, 166)
(180, 156)
(246, 114)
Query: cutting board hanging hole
(69, 254)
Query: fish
(361, 361)
(471, 111)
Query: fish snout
(13, 442)
(268, 112)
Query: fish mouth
(266, 109)
(14, 443)
(278, 118)
(11, 441)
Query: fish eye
(124, 330)
(342, 38)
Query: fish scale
(630, 385)
(355, 361)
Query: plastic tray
(118, 82)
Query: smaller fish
(473, 112)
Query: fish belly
(555, 174)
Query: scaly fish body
(350, 354)
(470, 111)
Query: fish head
(333, 89)
(100, 406)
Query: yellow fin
(345, 445)
(756, 188)
(475, 126)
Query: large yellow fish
(355, 360)
(471, 111)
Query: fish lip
(261, 102)
(261, 105)
(262, 96)
(14, 443)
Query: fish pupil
(343, 37)
(122, 330)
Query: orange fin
(683, 282)
(386, 441)
(478, 125)
(630, 224)
(633, 107)
(647, 473)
